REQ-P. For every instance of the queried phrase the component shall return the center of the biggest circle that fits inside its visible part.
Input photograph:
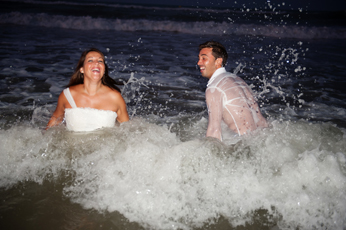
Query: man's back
(229, 98)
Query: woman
(92, 100)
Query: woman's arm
(58, 114)
(122, 110)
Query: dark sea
(158, 171)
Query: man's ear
(219, 62)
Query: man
(228, 97)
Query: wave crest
(210, 27)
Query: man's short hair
(218, 50)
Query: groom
(228, 97)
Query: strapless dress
(87, 119)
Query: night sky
(323, 5)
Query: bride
(92, 100)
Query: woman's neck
(91, 88)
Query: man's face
(207, 62)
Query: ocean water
(159, 171)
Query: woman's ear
(81, 70)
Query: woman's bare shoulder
(76, 88)
(115, 94)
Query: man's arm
(215, 110)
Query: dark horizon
(301, 5)
(305, 5)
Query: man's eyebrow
(202, 55)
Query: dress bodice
(87, 119)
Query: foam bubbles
(295, 171)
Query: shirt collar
(215, 74)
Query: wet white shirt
(230, 99)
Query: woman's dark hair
(218, 50)
(78, 77)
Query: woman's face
(94, 66)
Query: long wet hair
(78, 77)
(218, 50)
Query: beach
(159, 171)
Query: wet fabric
(230, 99)
(86, 119)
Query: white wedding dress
(87, 119)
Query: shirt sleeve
(215, 110)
